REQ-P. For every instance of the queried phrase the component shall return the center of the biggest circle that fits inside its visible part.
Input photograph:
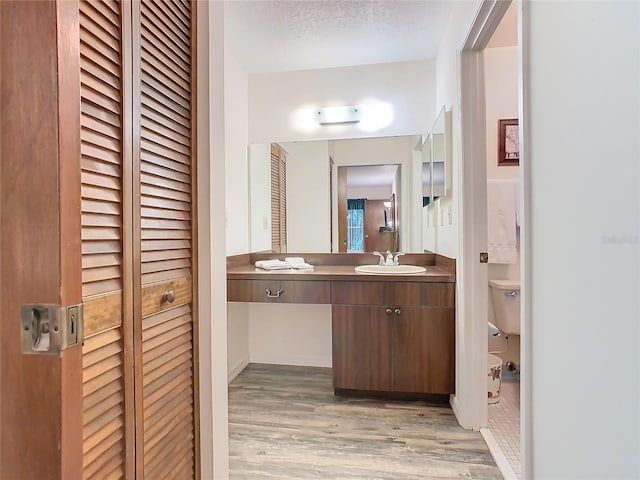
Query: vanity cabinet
(394, 336)
(362, 347)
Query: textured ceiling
(275, 36)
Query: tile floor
(504, 420)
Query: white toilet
(505, 296)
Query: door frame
(470, 402)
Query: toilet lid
(505, 284)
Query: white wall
(260, 201)
(236, 141)
(447, 81)
(501, 95)
(290, 334)
(430, 228)
(236, 200)
(446, 214)
(275, 100)
(370, 193)
(237, 338)
(308, 200)
(582, 124)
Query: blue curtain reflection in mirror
(355, 225)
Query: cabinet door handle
(270, 294)
(397, 311)
(389, 311)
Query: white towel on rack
(502, 219)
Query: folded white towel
(298, 263)
(502, 217)
(272, 265)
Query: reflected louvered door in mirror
(139, 412)
(108, 415)
(164, 326)
(278, 200)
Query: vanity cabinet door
(424, 350)
(362, 342)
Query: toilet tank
(505, 296)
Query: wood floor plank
(286, 423)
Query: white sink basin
(390, 269)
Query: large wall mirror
(343, 195)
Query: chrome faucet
(381, 262)
(391, 258)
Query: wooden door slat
(163, 203)
(100, 208)
(101, 246)
(167, 64)
(170, 184)
(170, 112)
(162, 192)
(167, 24)
(108, 9)
(108, 466)
(99, 287)
(159, 245)
(114, 388)
(104, 22)
(152, 129)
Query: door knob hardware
(48, 329)
(397, 311)
(389, 311)
(168, 297)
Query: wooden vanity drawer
(278, 291)
(425, 294)
(393, 293)
(361, 293)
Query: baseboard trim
(453, 401)
(498, 455)
(289, 360)
(237, 368)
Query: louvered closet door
(165, 388)
(107, 381)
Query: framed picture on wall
(508, 142)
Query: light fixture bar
(338, 115)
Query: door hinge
(48, 329)
(484, 257)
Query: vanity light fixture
(338, 115)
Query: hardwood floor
(286, 423)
